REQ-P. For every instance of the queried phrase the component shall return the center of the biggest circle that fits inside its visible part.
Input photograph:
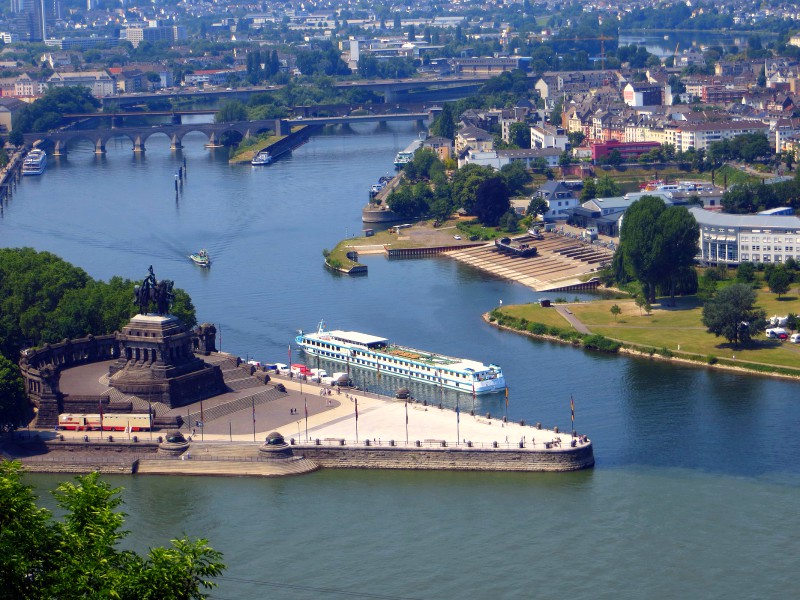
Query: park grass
(245, 152)
(534, 313)
(676, 331)
(681, 330)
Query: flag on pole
(254, 410)
(572, 408)
(290, 355)
(458, 412)
(406, 413)
(506, 396)
(473, 390)
(379, 370)
(356, 409)
(305, 406)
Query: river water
(696, 484)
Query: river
(694, 492)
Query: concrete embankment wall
(449, 459)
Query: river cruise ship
(35, 163)
(374, 353)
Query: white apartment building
(734, 239)
(548, 136)
(700, 135)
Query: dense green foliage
(480, 191)
(749, 198)
(657, 247)
(731, 312)
(46, 113)
(12, 394)
(45, 299)
(78, 556)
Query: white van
(282, 369)
(776, 333)
(795, 338)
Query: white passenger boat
(405, 156)
(262, 158)
(378, 354)
(35, 163)
(201, 258)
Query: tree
(676, 245)
(607, 187)
(616, 311)
(516, 176)
(491, 200)
(520, 135)
(444, 124)
(537, 206)
(564, 159)
(640, 301)
(730, 312)
(779, 280)
(13, 401)
(231, 110)
(636, 251)
(589, 190)
(78, 557)
(746, 272)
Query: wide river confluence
(696, 485)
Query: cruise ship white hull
(416, 365)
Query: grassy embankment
(667, 332)
(246, 151)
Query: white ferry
(378, 354)
(35, 163)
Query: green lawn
(679, 329)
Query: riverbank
(669, 334)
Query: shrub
(537, 328)
(665, 352)
(553, 331)
(601, 343)
(711, 359)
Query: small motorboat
(201, 258)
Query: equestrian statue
(154, 292)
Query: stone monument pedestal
(157, 363)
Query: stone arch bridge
(60, 140)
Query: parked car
(776, 333)
(456, 237)
(795, 338)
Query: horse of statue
(153, 291)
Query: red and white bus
(111, 422)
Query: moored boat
(201, 258)
(374, 353)
(262, 158)
(35, 163)
(405, 156)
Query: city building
(734, 239)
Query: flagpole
(305, 406)
(458, 423)
(150, 413)
(572, 413)
(473, 396)
(356, 420)
(253, 400)
(506, 403)
(406, 423)
(202, 422)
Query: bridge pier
(100, 146)
(138, 145)
(175, 143)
